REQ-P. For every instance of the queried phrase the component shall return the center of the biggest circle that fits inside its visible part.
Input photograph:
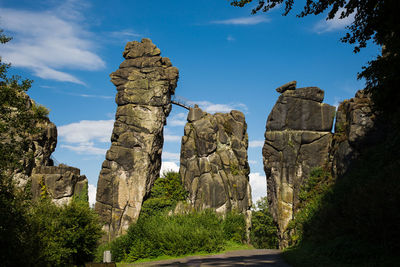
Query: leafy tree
(264, 231)
(166, 193)
(66, 235)
(16, 117)
(373, 19)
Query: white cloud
(86, 131)
(81, 136)
(168, 166)
(87, 149)
(94, 96)
(177, 120)
(243, 21)
(225, 108)
(171, 156)
(92, 194)
(172, 138)
(253, 162)
(125, 33)
(334, 24)
(256, 143)
(49, 42)
(258, 185)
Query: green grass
(229, 246)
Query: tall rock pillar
(214, 166)
(297, 138)
(145, 82)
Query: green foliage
(355, 220)
(161, 234)
(311, 195)
(66, 235)
(40, 111)
(234, 226)
(165, 194)
(264, 232)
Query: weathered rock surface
(214, 166)
(62, 182)
(145, 82)
(297, 139)
(287, 86)
(354, 121)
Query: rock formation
(297, 138)
(61, 182)
(214, 166)
(354, 121)
(145, 82)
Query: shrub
(161, 234)
(263, 230)
(234, 227)
(66, 235)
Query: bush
(66, 235)
(161, 234)
(264, 232)
(234, 227)
(165, 194)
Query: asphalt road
(254, 257)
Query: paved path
(254, 257)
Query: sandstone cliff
(61, 182)
(214, 166)
(145, 82)
(297, 138)
(354, 121)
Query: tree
(373, 19)
(264, 231)
(16, 117)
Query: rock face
(297, 138)
(214, 166)
(145, 82)
(62, 182)
(354, 121)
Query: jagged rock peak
(214, 166)
(287, 86)
(145, 82)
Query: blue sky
(227, 59)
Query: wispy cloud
(230, 38)
(170, 156)
(87, 131)
(177, 120)
(125, 33)
(253, 20)
(49, 42)
(172, 138)
(258, 185)
(256, 143)
(84, 137)
(94, 96)
(334, 24)
(85, 148)
(213, 107)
